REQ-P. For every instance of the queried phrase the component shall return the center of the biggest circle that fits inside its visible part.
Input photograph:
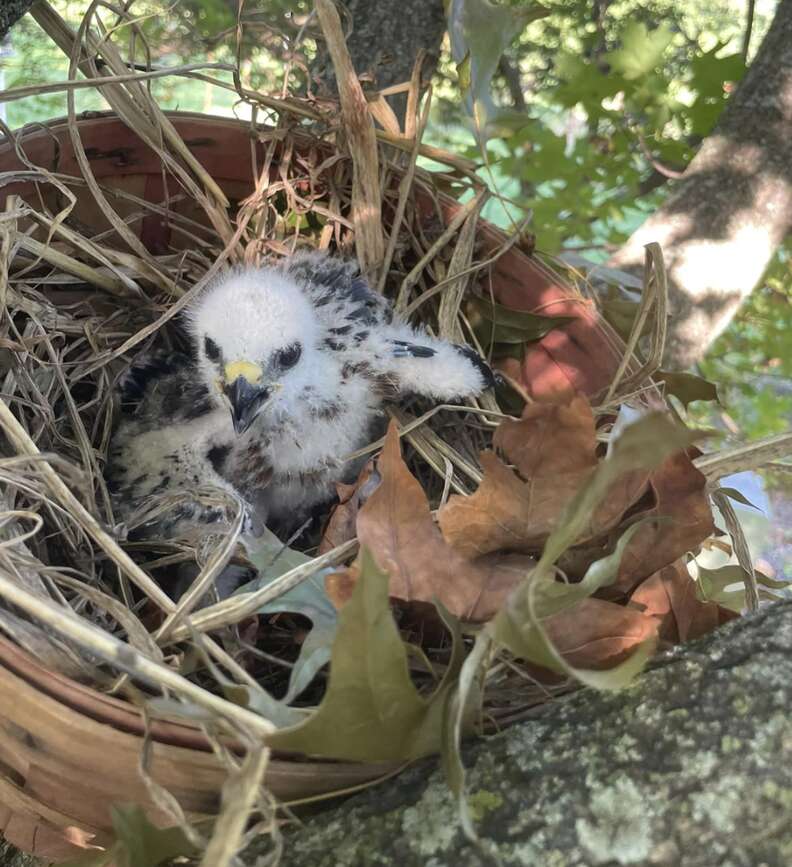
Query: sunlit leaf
(585, 83)
(725, 585)
(738, 496)
(642, 49)
(709, 72)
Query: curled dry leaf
(396, 525)
(597, 634)
(553, 451)
(669, 597)
(341, 525)
(681, 500)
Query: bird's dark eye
(289, 356)
(211, 349)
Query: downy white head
(256, 337)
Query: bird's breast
(250, 466)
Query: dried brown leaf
(341, 524)
(553, 448)
(669, 598)
(596, 634)
(550, 439)
(679, 495)
(396, 525)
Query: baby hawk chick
(291, 365)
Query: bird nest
(112, 224)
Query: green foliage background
(593, 105)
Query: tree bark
(732, 209)
(10, 12)
(690, 767)
(384, 38)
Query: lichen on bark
(690, 766)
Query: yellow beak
(246, 369)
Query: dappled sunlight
(734, 264)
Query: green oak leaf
(139, 843)
(371, 710)
(642, 50)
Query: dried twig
(359, 131)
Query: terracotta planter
(68, 752)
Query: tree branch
(690, 767)
(10, 12)
(733, 206)
(384, 38)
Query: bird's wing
(411, 362)
(168, 441)
(362, 329)
(164, 386)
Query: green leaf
(139, 843)
(687, 387)
(709, 73)
(712, 583)
(309, 598)
(371, 710)
(583, 82)
(252, 696)
(620, 313)
(314, 655)
(642, 50)
(463, 74)
(94, 859)
(480, 32)
(146, 845)
(461, 707)
(734, 494)
(495, 324)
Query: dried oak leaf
(396, 525)
(341, 524)
(681, 500)
(553, 451)
(669, 598)
(596, 634)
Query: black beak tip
(246, 400)
(240, 424)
